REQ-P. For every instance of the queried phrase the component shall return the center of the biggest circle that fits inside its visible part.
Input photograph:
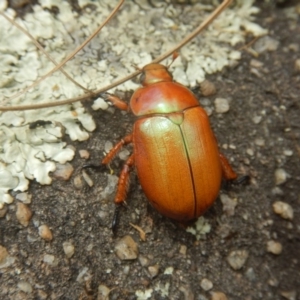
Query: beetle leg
(242, 180)
(123, 183)
(229, 174)
(115, 220)
(112, 153)
(116, 101)
(227, 171)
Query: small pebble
(250, 152)
(206, 284)
(256, 119)
(50, 260)
(260, 142)
(36, 222)
(277, 191)
(266, 43)
(221, 105)
(63, 172)
(250, 274)
(183, 249)
(69, 249)
(207, 88)
(297, 66)
(84, 154)
(208, 110)
(42, 295)
(126, 248)
(25, 287)
(256, 63)
(126, 270)
(89, 247)
(124, 154)
(87, 178)
(24, 197)
(284, 210)
(144, 261)
(103, 214)
(228, 204)
(103, 292)
(32, 238)
(169, 271)
(108, 146)
(148, 224)
(273, 282)
(45, 233)
(289, 295)
(288, 152)
(3, 255)
(77, 182)
(205, 102)
(5, 259)
(23, 253)
(3, 211)
(153, 270)
(237, 258)
(218, 296)
(224, 231)
(23, 214)
(274, 247)
(187, 293)
(112, 181)
(255, 72)
(83, 274)
(294, 46)
(280, 176)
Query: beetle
(175, 152)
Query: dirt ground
(262, 134)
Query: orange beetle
(175, 153)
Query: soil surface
(260, 134)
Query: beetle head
(153, 73)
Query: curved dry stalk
(85, 97)
(70, 56)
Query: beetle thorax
(154, 73)
(162, 98)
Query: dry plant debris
(135, 35)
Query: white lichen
(200, 228)
(136, 35)
(144, 295)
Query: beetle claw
(243, 180)
(116, 219)
(105, 96)
(92, 166)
